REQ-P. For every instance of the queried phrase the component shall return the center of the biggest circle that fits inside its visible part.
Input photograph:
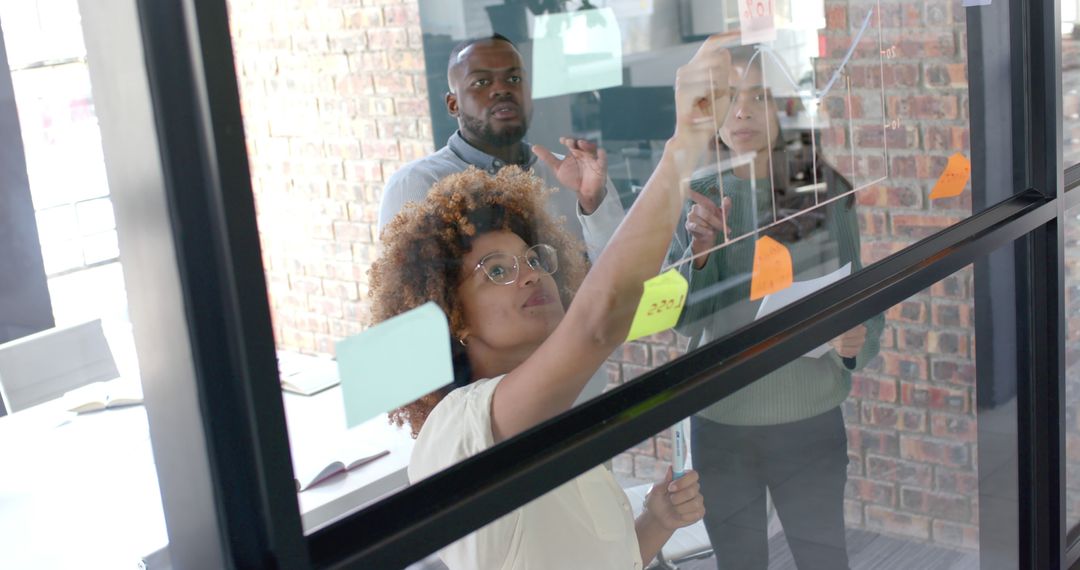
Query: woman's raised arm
(599, 317)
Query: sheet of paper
(798, 290)
(772, 268)
(575, 52)
(661, 304)
(394, 363)
(757, 21)
(953, 179)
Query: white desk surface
(84, 494)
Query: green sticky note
(394, 363)
(575, 52)
(661, 304)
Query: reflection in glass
(829, 141)
(1070, 80)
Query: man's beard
(483, 131)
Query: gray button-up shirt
(413, 181)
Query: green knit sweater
(820, 241)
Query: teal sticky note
(394, 363)
(575, 52)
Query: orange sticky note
(954, 179)
(772, 268)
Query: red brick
(939, 452)
(886, 416)
(935, 107)
(949, 314)
(946, 138)
(634, 353)
(883, 390)
(961, 428)
(894, 470)
(945, 74)
(912, 44)
(936, 505)
(890, 196)
(869, 491)
(836, 16)
(948, 343)
(886, 520)
(863, 441)
(387, 38)
(934, 397)
(899, 365)
(911, 340)
(901, 15)
(956, 482)
(876, 136)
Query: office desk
(84, 494)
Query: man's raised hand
(583, 170)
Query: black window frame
(233, 412)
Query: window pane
(79, 485)
(1070, 80)
(838, 135)
(905, 466)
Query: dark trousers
(804, 466)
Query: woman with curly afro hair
(529, 331)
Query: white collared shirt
(586, 523)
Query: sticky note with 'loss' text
(661, 304)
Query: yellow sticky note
(661, 304)
(954, 179)
(772, 268)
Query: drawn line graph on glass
(861, 167)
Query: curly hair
(423, 248)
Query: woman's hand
(704, 222)
(675, 504)
(702, 91)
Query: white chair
(687, 543)
(45, 365)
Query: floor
(867, 550)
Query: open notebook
(314, 471)
(101, 396)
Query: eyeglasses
(503, 269)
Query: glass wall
(840, 135)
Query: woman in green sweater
(784, 432)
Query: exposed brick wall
(334, 101)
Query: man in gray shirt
(489, 96)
